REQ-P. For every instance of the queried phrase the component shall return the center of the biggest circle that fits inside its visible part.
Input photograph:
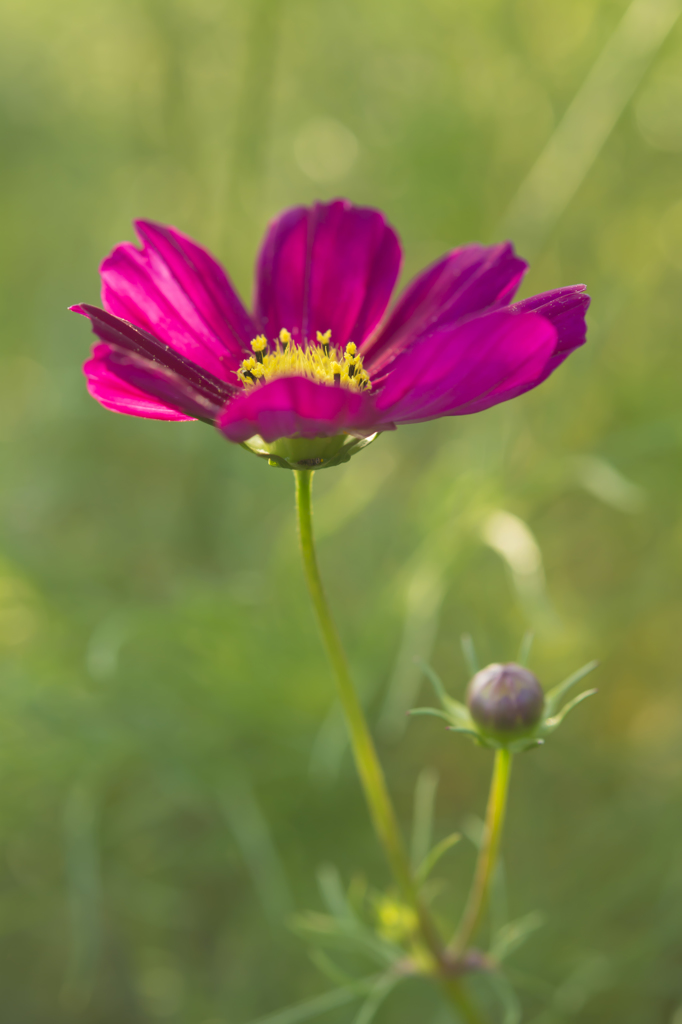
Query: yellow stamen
(259, 345)
(323, 340)
(319, 362)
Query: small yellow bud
(351, 349)
(396, 921)
(284, 337)
(260, 343)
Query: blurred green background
(172, 765)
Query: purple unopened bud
(505, 700)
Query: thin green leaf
(253, 835)
(332, 892)
(528, 983)
(556, 695)
(553, 723)
(511, 936)
(433, 888)
(348, 935)
(429, 862)
(593, 975)
(321, 1004)
(469, 652)
(422, 818)
(357, 895)
(473, 828)
(381, 990)
(511, 1007)
(525, 648)
(326, 966)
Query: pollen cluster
(319, 362)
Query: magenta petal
(296, 407)
(177, 291)
(332, 266)
(116, 394)
(463, 282)
(566, 309)
(468, 367)
(157, 382)
(123, 336)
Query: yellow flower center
(321, 362)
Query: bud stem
(487, 857)
(366, 758)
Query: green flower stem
(366, 758)
(487, 857)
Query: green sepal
(550, 724)
(556, 695)
(314, 452)
(525, 743)
(455, 712)
(430, 711)
(476, 736)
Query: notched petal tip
(330, 266)
(565, 308)
(174, 288)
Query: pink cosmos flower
(319, 367)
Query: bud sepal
(507, 708)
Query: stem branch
(487, 857)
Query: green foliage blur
(173, 768)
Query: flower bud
(505, 701)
